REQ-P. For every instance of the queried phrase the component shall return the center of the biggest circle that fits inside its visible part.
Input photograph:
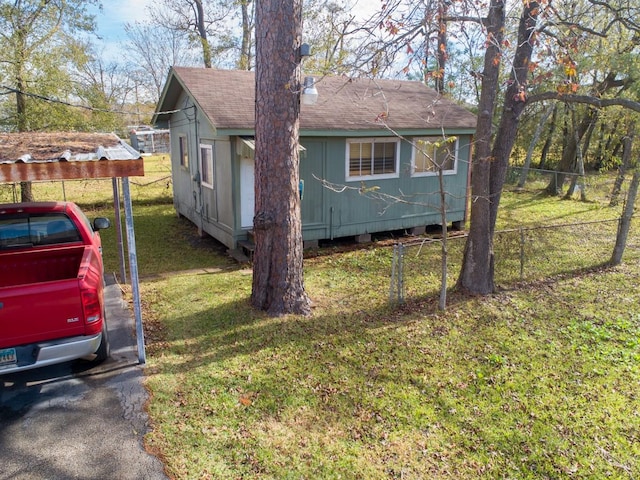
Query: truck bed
(25, 267)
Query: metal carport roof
(33, 156)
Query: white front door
(247, 192)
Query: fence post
(401, 274)
(521, 253)
(393, 272)
(397, 274)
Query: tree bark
(476, 275)
(627, 143)
(26, 192)
(534, 141)
(202, 33)
(547, 144)
(570, 152)
(514, 103)
(579, 163)
(441, 54)
(278, 286)
(244, 62)
(625, 221)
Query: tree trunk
(441, 53)
(514, 103)
(587, 142)
(26, 192)
(278, 286)
(627, 142)
(599, 155)
(532, 145)
(579, 164)
(244, 63)
(549, 140)
(625, 221)
(476, 275)
(202, 33)
(569, 153)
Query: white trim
(209, 167)
(181, 152)
(251, 143)
(435, 172)
(373, 176)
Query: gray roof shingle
(227, 97)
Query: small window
(206, 165)
(184, 151)
(431, 154)
(372, 157)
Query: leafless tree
(155, 49)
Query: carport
(59, 156)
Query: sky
(110, 21)
(115, 13)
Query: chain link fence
(521, 254)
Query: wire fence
(521, 255)
(590, 187)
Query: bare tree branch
(586, 99)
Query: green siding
(344, 211)
(326, 212)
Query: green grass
(534, 383)
(538, 381)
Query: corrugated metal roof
(39, 147)
(28, 156)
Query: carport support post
(133, 266)
(116, 207)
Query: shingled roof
(227, 97)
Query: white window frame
(206, 167)
(415, 152)
(183, 151)
(372, 141)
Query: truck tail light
(91, 305)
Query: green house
(370, 154)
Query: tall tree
(106, 89)
(33, 36)
(247, 16)
(329, 28)
(156, 48)
(278, 285)
(207, 23)
(477, 269)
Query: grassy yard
(541, 380)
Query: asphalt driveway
(77, 420)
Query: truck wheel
(104, 350)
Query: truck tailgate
(43, 311)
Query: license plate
(8, 357)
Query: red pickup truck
(51, 286)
